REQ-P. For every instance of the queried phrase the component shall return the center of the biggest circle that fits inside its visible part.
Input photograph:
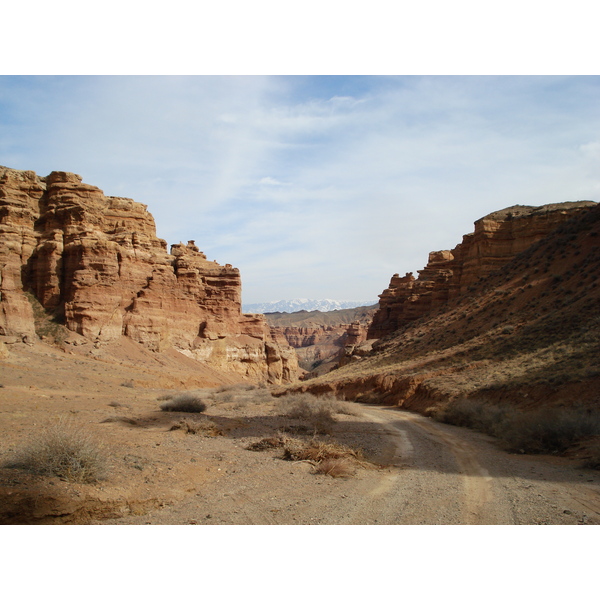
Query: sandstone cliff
(95, 263)
(497, 239)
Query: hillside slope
(527, 334)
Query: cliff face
(497, 239)
(95, 262)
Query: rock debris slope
(94, 263)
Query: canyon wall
(94, 262)
(497, 239)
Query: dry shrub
(547, 430)
(242, 395)
(334, 467)
(205, 427)
(308, 408)
(318, 451)
(116, 404)
(238, 387)
(593, 460)
(266, 444)
(190, 402)
(488, 418)
(340, 407)
(66, 451)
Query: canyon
(99, 321)
(322, 339)
(509, 317)
(94, 264)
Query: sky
(313, 186)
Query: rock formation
(96, 264)
(319, 346)
(497, 239)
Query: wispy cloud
(312, 186)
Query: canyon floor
(416, 471)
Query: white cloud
(313, 187)
(270, 181)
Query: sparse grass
(315, 413)
(488, 418)
(242, 395)
(547, 430)
(593, 460)
(66, 451)
(189, 402)
(238, 387)
(47, 325)
(341, 407)
(204, 427)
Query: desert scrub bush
(549, 430)
(238, 387)
(593, 460)
(340, 407)
(329, 458)
(334, 467)
(66, 451)
(267, 443)
(309, 409)
(488, 418)
(204, 427)
(243, 395)
(190, 402)
(47, 325)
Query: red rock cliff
(96, 263)
(497, 239)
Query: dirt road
(435, 474)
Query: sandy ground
(419, 471)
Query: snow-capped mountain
(289, 306)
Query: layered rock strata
(497, 239)
(95, 263)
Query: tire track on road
(476, 481)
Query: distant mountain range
(298, 304)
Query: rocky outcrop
(497, 239)
(319, 347)
(301, 337)
(94, 262)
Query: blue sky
(314, 186)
